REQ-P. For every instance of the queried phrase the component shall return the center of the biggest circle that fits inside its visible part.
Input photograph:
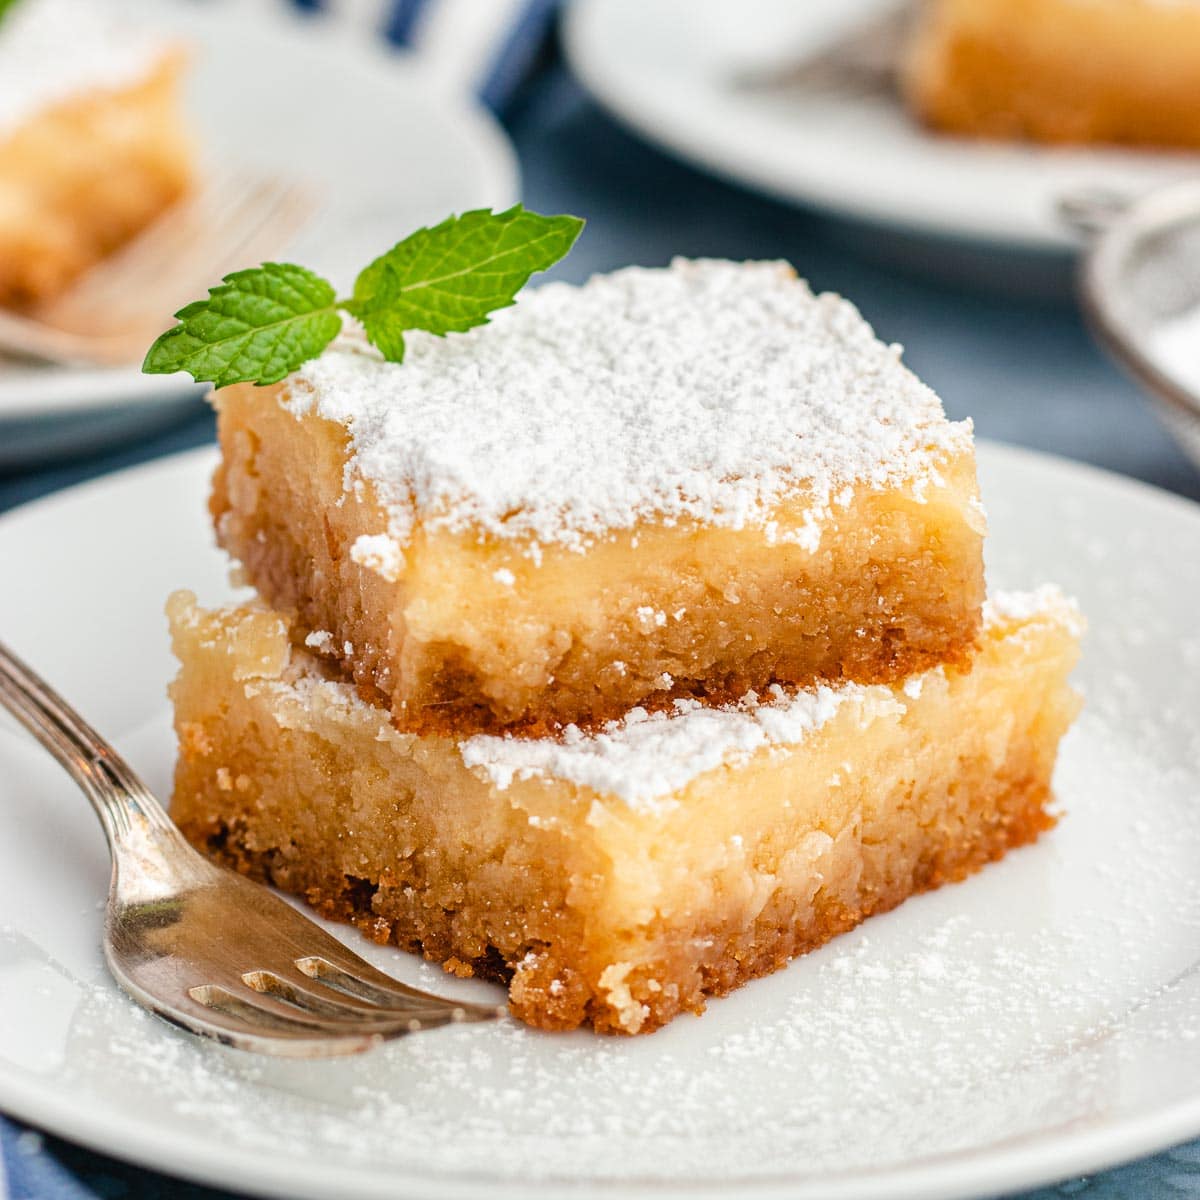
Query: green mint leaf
(255, 327)
(5, 5)
(450, 277)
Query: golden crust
(546, 987)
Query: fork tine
(827, 75)
(112, 313)
(158, 271)
(176, 230)
(859, 61)
(255, 229)
(268, 1014)
(259, 228)
(173, 235)
(231, 1028)
(321, 1001)
(356, 977)
(157, 282)
(221, 246)
(279, 218)
(272, 1012)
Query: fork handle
(121, 800)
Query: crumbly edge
(546, 988)
(455, 709)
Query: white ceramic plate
(667, 68)
(1039, 1020)
(385, 152)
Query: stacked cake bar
(1119, 71)
(621, 649)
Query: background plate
(667, 68)
(385, 150)
(1040, 1020)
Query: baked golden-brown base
(80, 179)
(617, 904)
(464, 632)
(1119, 71)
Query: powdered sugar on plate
(52, 50)
(708, 390)
(1047, 600)
(978, 1015)
(1032, 1023)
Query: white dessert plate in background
(1038, 1021)
(273, 91)
(668, 69)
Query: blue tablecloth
(999, 340)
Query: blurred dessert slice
(687, 482)
(93, 145)
(1115, 71)
(620, 877)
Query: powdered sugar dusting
(379, 553)
(51, 50)
(1048, 600)
(644, 758)
(708, 390)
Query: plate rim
(960, 1175)
(1029, 1160)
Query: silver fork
(861, 61)
(113, 313)
(208, 950)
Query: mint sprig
(5, 5)
(261, 324)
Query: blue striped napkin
(483, 47)
(488, 46)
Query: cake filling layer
(707, 391)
